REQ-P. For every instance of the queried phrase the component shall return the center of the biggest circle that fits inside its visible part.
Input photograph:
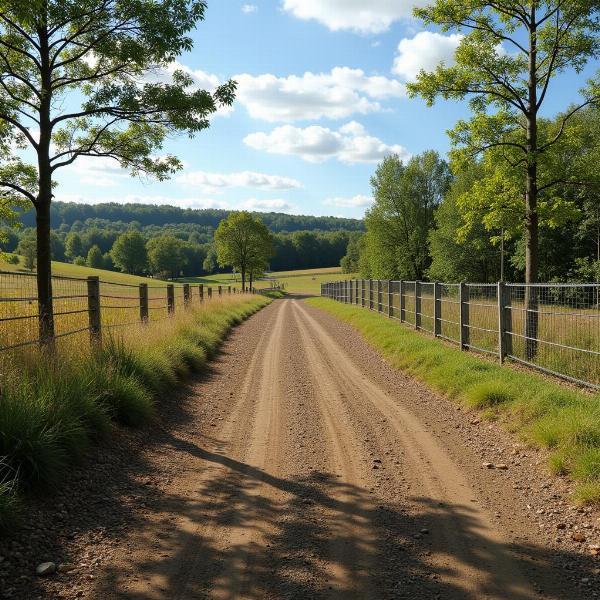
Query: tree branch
(19, 189)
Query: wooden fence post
(402, 287)
(362, 293)
(144, 302)
(417, 305)
(504, 321)
(463, 298)
(390, 300)
(370, 294)
(170, 298)
(186, 295)
(379, 296)
(209, 290)
(229, 290)
(437, 309)
(201, 290)
(219, 290)
(94, 318)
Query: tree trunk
(243, 271)
(250, 280)
(531, 214)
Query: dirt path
(306, 468)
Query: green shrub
(489, 393)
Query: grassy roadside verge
(543, 413)
(52, 410)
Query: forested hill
(67, 213)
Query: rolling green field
(303, 281)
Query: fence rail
(89, 305)
(552, 327)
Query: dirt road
(304, 467)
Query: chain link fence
(550, 326)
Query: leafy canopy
(98, 78)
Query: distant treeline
(86, 234)
(69, 213)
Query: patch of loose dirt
(305, 467)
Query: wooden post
(370, 294)
(94, 318)
(463, 298)
(209, 290)
(187, 298)
(437, 309)
(229, 290)
(144, 302)
(170, 298)
(201, 289)
(402, 287)
(379, 296)
(390, 300)
(219, 290)
(362, 293)
(417, 305)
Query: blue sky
(321, 100)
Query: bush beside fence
(493, 318)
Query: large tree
(91, 78)
(244, 243)
(398, 223)
(508, 55)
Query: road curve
(298, 474)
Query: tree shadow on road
(288, 544)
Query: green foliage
(80, 261)
(95, 260)
(129, 252)
(542, 412)
(27, 248)
(350, 262)
(73, 245)
(401, 217)
(165, 256)
(244, 243)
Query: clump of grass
(10, 504)
(544, 413)
(51, 410)
(489, 394)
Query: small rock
(578, 537)
(424, 530)
(561, 526)
(45, 568)
(502, 467)
(488, 465)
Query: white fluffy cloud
(373, 16)
(272, 205)
(249, 8)
(212, 182)
(426, 50)
(349, 144)
(358, 201)
(335, 95)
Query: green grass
(565, 421)
(51, 410)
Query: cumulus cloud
(212, 182)
(374, 16)
(349, 144)
(426, 50)
(335, 95)
(358, 201)
(249, 8)
(270, 205)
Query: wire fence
(553, 327)
(89, 306)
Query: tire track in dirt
(440, 479)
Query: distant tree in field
(107, 262)
(350, 262)
(27, 249)
(83, 73)
(165, 256)
(405, 199)
(12, 259)
(508, 55)
(209, 264)
(243, 242)
(73, 245)
(95, 259)
(129, 252)
(80, 261)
